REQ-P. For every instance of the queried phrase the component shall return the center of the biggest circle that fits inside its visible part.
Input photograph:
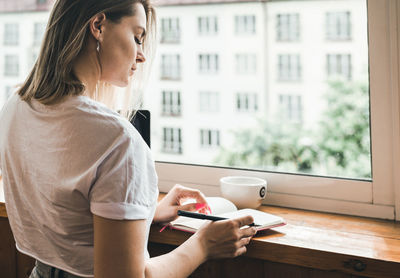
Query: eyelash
(138, 41)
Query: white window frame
(209, 102)
(245, 24)
(339, 65)
(287, 27)
(11, 37)
(246, 102)
(39, 28)
(289, 67)
(246, 63)
(173, 142)
(209, 138)
(208, 63)
(170, 30)
(207, 25)
(171, 66)
(377, 198)
(332, 31)
(9, 60)
(171, 103)
(291, 107)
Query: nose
(140, 58)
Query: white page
(218, 205)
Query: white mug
(244, 192)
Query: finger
(242, 242)
(248, 232)
(186, 192)
(240, 251)
(244, 220)
(191, 207)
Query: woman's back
(61, 164)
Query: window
(291, 107)
(170, 30)
(170, 67)
(209, 138)
(338, 26)
(11, 65)
(171, 103)
(7, 93)
(289, 67)
(339, 65)
(245, 24)
(39, 29)
(362, 184)
(288, 27)
(208, 63)
(11, 34)
(207, 25)
(246, 102)
(209, 102)
(246, 63)
(172, 140)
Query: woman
(80, 184)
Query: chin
(120, 83)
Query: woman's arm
(119, 248)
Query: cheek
(118, 56)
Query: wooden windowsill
(320, 241)
(316, 240)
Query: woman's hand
(167, 209)
(225, 238)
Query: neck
(87, 68)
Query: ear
(96, 26)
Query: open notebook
(225, 208)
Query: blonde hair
(52, 77)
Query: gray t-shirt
(63, 163)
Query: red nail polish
(200, 206)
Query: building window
(170, 30)
(289, 67)
(246, 63)
(339, 65)
(288, 27)
(39, 29)
(291, 108)
(209, 138)
(11, 65)
(245, 24)
(338, 26)
(208, 63)
(246, 102)
(171, 67)
(172, 140)
(207, 25)
(11, 34)
(209, 102)
(171, 103)
(7, 93)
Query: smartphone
(141, 121)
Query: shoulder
(94, 124)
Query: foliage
(338, 146)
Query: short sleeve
(125, 186)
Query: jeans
(42, 270)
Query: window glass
(170, 31)
(11, 34)
(292, 82)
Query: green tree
(344, 140)
(338, 146)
